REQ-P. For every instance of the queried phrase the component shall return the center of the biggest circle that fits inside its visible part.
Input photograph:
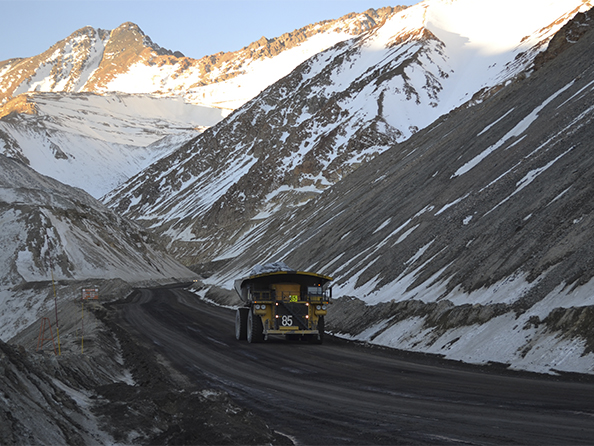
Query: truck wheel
(319, 338)
(254, 328)
(241, 324)
(321, 328)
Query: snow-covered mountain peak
(83, 61)
(126, 60)
(483, 43)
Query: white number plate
(287, 321)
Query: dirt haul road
(344, 393)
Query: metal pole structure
(55, 305)
(42, 338)
(82, 340)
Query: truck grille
(292, 315)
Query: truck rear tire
(255, 329)
(241, 317)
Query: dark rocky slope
(481, 223)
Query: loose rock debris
(118, 391)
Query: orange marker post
(87, 293)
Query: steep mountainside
(64, 112)
(97, 142)
(474, 239)
(53, 230)
(126, 60)
(336, 111)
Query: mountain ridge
(354, 101)
(54, 232)
(96, 142)
(85, 60)
(37, 95)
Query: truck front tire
(255, 329)
(241, 317)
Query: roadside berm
(111, 389)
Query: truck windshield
(314, 290)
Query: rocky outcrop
(20, 104)
(571, 32)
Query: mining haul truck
(289, 303)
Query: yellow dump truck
(282, 302)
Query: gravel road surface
(345, 393)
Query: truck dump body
(290, 303)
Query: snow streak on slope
(97, 142)
(339, 109)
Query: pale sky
(195, 27)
